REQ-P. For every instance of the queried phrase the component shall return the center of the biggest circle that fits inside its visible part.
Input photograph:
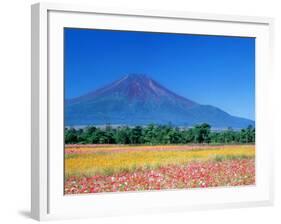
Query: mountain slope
(139, 100)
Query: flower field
(114, 168)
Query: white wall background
(15, 110)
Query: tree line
(158, 134)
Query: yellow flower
(89, 161)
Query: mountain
(139, 100)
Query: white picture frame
(48, 201)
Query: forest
(158, 134)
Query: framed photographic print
(138, 111)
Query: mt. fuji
(139, 100)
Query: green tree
(202, 133)
(70, 136)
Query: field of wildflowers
(114, 168)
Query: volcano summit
(139, 100)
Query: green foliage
(158, 134)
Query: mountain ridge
(136, 99)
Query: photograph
(154, 111)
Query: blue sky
(213, 70)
